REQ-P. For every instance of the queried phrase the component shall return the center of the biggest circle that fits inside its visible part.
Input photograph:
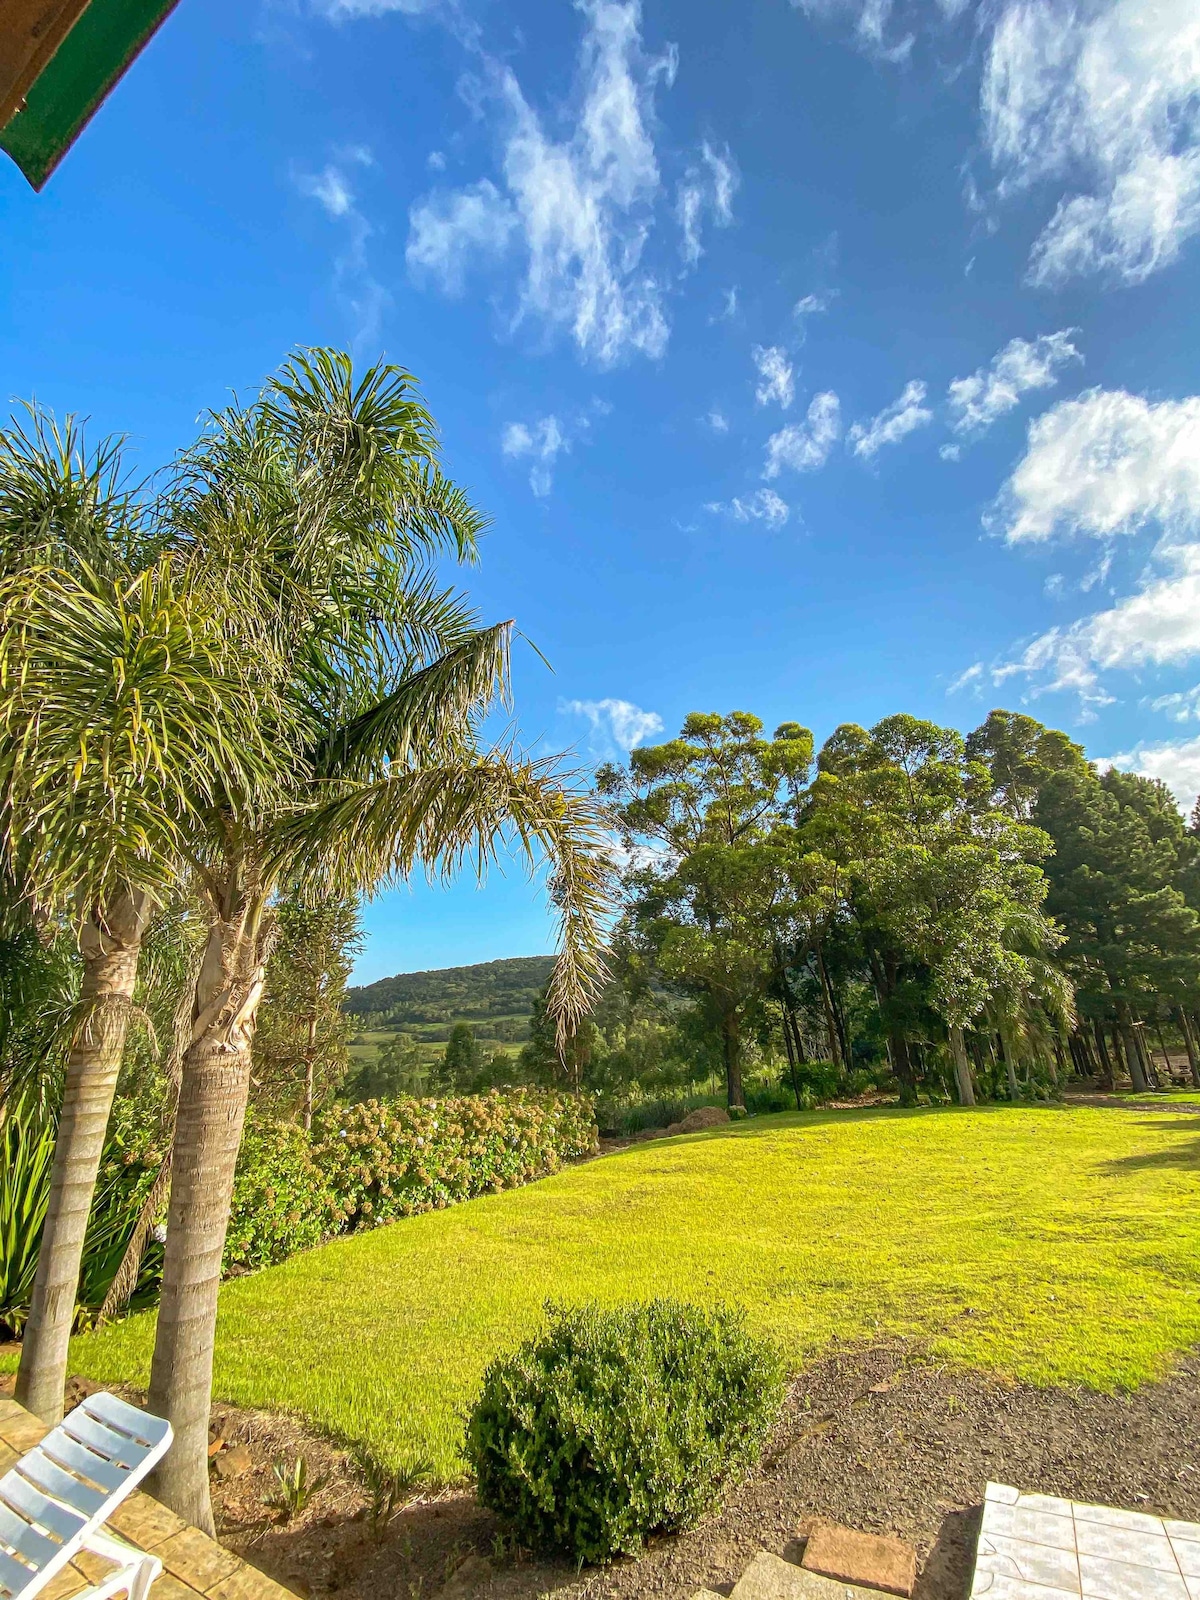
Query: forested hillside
(483, 993)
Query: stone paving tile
(1038, 1547)
(145, 1522)
(198, 1560)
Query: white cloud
(1157, 626)
(1106, 463)
(729, 306)
(362, 295)
(579, 209)
(540, 442)
(894, 422)
(1180, 707)
(1178, 765)
(811, 305)
(1108, 95)
(870, 19)
(775, 371)
(709, 187)
(446, 231)
(1023, 364)
(436, 161)
(718, 422)
(764, 505)
(616, 723)
(805, 446)
(972, 675)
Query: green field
(1053, 1245)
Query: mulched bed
(881, 1438)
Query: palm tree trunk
(208, 1132)
(1010, 1071)
(110, 946)
(962, 1067)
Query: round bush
(615, 1424)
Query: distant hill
(479, 994)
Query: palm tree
(119, 703)
(324, 504)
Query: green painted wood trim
(90, 60)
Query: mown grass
(1057, 1246)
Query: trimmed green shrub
(615, 1424)
(385, 1159)
(282, 1201)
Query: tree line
(904, 908)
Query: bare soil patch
(883, 1439)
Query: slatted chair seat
(55, 1501)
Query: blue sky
(818, 359)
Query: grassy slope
(1052, 1245)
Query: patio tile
(1045, 1502)
(1182, 1530)
(1187, 1554)
(1193, 1588)
(1035, 1563)
(1117, 1580)
(1124, 1544)
(996, 1586)
(1039, 1527)
(1004, 1493)
(1111, 1517)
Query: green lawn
(1053, 1245)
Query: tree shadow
(1183, 1155)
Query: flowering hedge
(282, 1201)
(385, 1159)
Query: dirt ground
(880, 1438)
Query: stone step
(769, 1577)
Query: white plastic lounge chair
(56, 1500)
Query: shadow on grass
(1184, 1156)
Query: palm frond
(427, 712)
(447, 815)
(62, 500)
(122, 707)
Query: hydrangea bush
(388, 1159)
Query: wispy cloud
(356, 287)
(813, 305)
(707, 188)
(347, 10)
(776, 378)
(1108, 94)
(895, 422)
(717, 421)
(577, 211)
(616, 724)
(539, 442)
(1023, 364)
(764, 505)
(805, 446)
